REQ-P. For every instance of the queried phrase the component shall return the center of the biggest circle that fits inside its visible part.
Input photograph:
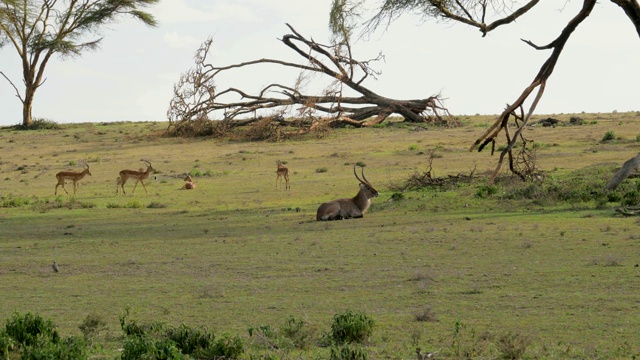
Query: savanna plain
(537, 269)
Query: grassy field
(442, 269)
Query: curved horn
(356, 174)
(365, 179)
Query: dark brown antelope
(188, 183)
(63, 176)
(347, 208)
(139, 176)
(282, 172)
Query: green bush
(72, 348)
(37, 338)
(225, 347)
(27, 329)
(485, 191)
(348, 352)
(351, 327)
(9, 201)
(609, 136)
(189, 340)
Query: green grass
(495, 271)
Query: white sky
(131, 77)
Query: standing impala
(282, 172)
(63, 176)
(354, 207)
(136, 175)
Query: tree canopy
(487, 16)
(38, 29)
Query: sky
(131, 76)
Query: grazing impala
(188, 183)
(354, 207)
(282, 172)
(136, 175)
(63, 176)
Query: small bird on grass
(55, 266)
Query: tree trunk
(27, 105)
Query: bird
(55, 266)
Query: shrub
(609, 136)
(296, 331)
(39, 124)
(226, 347)
(351, 327)
(91, 326)
(427, 314)
(347, 352)
(485, 191)
(189, 340)
(26, 329)
(512, 345)
(72, 348)
(9, 201)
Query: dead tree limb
(627, 168)
(196, 96)
(539, 83)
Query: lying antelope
(137, 175)
(188, 183)
(354, 207)
(282, 172)
(63, 176)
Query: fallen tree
(197, 100)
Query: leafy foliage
(351, 327)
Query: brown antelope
(139, 176)
(188, 184)
(354, 207)
(63, 176)
(282, 172)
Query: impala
(137, 175)
(354, 207)
(63, 176)
(188, 183)
(282, 172)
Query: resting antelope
(354, 207)
(188, 183)
(63, 176)
(282, 172)
(139, 176)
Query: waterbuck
(347, 208)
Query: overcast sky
(131, 77)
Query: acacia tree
(486, 15)
(38, 29)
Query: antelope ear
(362, 186)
